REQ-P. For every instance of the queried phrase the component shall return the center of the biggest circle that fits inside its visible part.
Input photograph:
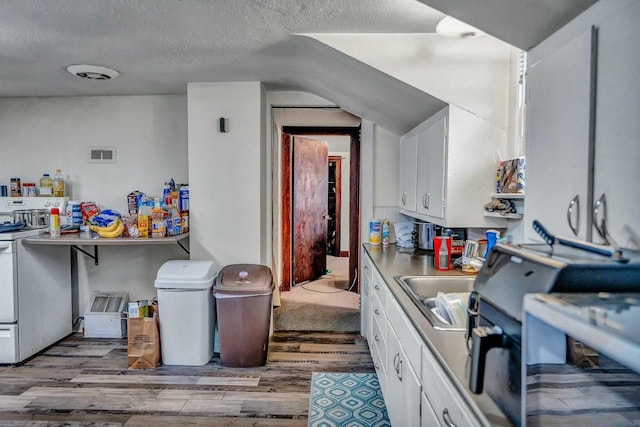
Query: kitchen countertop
(94, 240)
(449, 347)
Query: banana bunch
(114, 229)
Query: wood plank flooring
(81, 381)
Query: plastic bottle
(158, 223)
(46, 186)
(385, 232)
(443, 256)
(58, 184)
(54, 223)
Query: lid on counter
(186, 274)
(242, 278)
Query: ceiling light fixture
(93, 72)
(451, 27)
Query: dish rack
(106, 316)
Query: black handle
(550, 239)
(484, 339)
(472, 318)
(546, 236)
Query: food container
(32, 218)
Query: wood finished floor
(82, 381)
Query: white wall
(150, 133)
(472, 74)
(226, 172)
(385, 174)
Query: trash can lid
(186, 274)
(237, 278)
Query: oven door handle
(484, 338)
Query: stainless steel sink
(423, 290)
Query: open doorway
(289, 195)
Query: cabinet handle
(377, 366)
(575, 201)
(395, 362)
(447, 418)
(377, 338)
(366, 266)
(377, 287)
(428, 200)
(601, 229)
(399, 370)
(377, 312)
(404, 198)
(424, 200)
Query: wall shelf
(507, 216)
(507, 195)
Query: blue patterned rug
(341, 400)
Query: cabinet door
(428, 417)
(431, 169)
(408, 164)
(403, 385)
(366, 297)
(617, 149)
(557, 140)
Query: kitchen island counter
(448, 347)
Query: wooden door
(310, 195)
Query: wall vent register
(102, 154)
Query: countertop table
(449, 347)
(76, 240)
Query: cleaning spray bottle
(386, 231)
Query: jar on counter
(29, 189)
(16, 188)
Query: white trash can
(186, 311)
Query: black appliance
(494, 322)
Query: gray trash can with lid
(187, 312)
(243, 294)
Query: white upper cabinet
(432, 143)
(617, 151)
(583, 127)
(407, 179)
(457, 156)
(557, 140)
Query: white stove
(10, 204)
(15, 235)
(35, 285)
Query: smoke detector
(92, 72)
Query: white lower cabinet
(403, 386)
(428, 417)
(366, 297)
(447, 404)
(416, 389)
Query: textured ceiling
(160, 45)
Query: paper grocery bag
(144, 342)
